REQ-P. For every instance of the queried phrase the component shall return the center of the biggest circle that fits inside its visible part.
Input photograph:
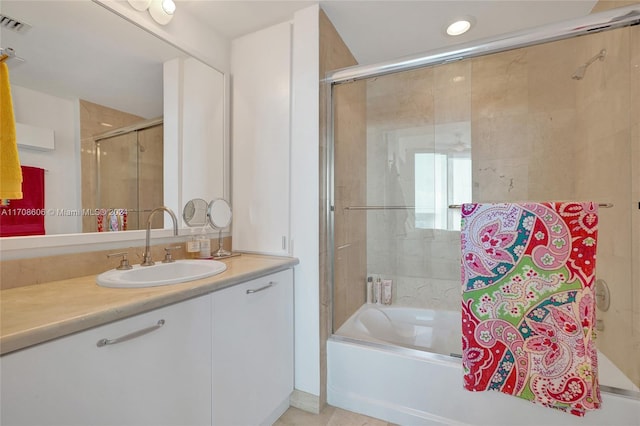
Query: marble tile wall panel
(91, 118)
(334, 54)
(537, 135)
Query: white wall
(260, 128)
(194, 148)
(184, 31)
(62, 165)
(305, 198)
(275, 124)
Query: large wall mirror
(119, 103)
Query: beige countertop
(37, 313)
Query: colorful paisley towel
(528, 305)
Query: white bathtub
(393, 363)
(423, 329)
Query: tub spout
(146, 257)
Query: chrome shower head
(582, 69)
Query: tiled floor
(330, 416)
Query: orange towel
(10, 172)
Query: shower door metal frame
(590, 24)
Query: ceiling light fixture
(140, 5)
(160, 10)
(459, 26)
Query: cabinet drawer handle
(105, 342)
(251, 291)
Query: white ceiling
(374, 30)
(232, 19)
(377, 30)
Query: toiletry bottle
(377, 291)
(369, 289)
(205, 245)
(193, 246)
(387, 287)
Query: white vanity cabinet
(223, 359)
(161, 377)
(253, 352)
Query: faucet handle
(124, 263)
(167, 254)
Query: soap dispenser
(193, 245)
(205, 244)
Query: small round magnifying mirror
(195, 212)
(219, 214)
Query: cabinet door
(162, 377)
(253, 351)
(261, 67)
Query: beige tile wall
(603, 105)
(350, 226)
(576, 144)
(407, 113)
(634, 111)
(135, 175)
(91, 117)
(619, 264)
(334, 54)
(118, 175)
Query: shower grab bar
(603, 205)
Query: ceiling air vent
(13, 24)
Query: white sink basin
(160, 274)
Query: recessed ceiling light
(459, 26)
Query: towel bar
(380, 208)
(8, 53)
(603, 205)
(451, 206)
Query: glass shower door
(118, 182)
(130, 178)
(506, 127)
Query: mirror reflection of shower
(129, 170)
(582, 69)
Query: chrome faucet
(146, 257)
